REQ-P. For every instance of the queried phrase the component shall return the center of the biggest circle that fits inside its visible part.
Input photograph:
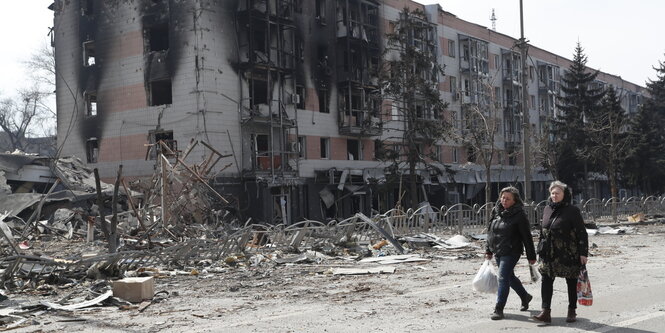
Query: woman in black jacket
(508, 233)
(562, 249)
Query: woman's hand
(583, 260)
(488, 255)
(532, 262)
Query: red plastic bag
(584, 295)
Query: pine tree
(645, 165)
(581, 98)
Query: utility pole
(526, 124)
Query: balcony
(359, 123)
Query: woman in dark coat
(563, 248)
(508, 233)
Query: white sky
(24, 27)
(620, 37)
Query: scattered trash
(639, 217)
(364, 270)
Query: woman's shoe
(498, 312)
(525, 302)
(544, 316)
(572, 316)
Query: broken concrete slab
(397, 259)
(363, 270)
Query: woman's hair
(514, 191)
(558, 184)
(567, 191)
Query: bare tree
(30, 112)
(17, 116)
(607, 134)
(409, 78)
(480, 123)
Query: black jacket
(509, 232)
(563, 239)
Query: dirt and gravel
(433, 295)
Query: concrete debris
(363, 270)
(72, 307)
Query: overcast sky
(618, 36)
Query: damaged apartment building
(289, 89)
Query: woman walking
(507, 235)
(563, 249)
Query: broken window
(90, 103)
(158, 37)
(160, 93)
(259, 43)
(302, 147)
(87, 8)
(353, 150)
(321, 11)
(325, 148)
(258, 93)
(300, 97)
(454, 153)
(165, 136)
(92, 150)
(451, 48)
(88, 53)
(323, 101)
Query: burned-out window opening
(160, 93)
(302, 147)
(454, 155)
(354, 150)
(258, 93)
(158, 37)
(165, 136)
(90, 103)
(321, 11)
(379, 150)
(92, 150)
(300, 97)
(259, 44)
(324, 106)
(88, 53)
(87, 7)
(325, 148)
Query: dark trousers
(547, 289)
(507, 278)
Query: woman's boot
(498, 312)
(572, 316)
(525, 302)
(544, 316)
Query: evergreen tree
(409, 79)
(580, 99)
(645, 165)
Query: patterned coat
(563, 239)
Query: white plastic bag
(535, 274)
(486, 280)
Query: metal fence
(358, 229)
